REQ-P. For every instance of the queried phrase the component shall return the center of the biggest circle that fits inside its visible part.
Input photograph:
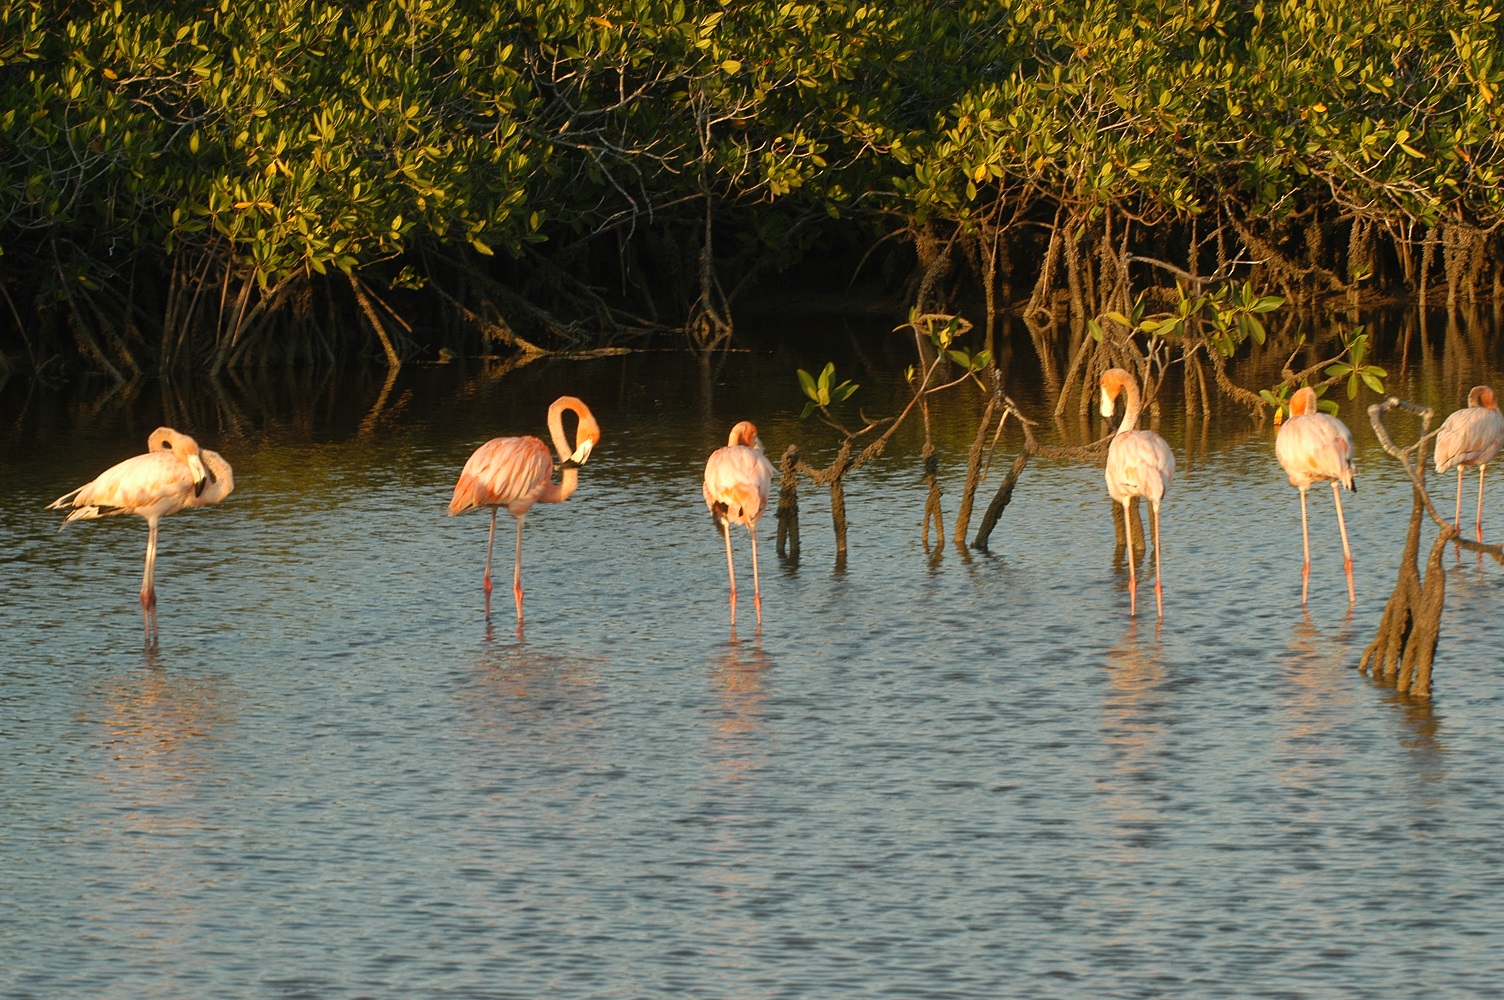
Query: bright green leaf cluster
(822, 392)
(1354, 370)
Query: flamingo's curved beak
(201, 475)
(582, 453)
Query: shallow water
(930, 774)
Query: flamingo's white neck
(1114, 384)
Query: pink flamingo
(517, 472)
(173, 474)
(1471, 437)
(738, 478)
(1313, 447)
(1139, 464)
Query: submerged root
(1402, 651)
(1404, 648)
(788, 504)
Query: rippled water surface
(931, 774)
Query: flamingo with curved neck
(517, 472)
(738, 479)
(1139, 464)
(1313, 447)
(173, 474)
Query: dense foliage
(208, 184)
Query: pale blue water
(971, 778)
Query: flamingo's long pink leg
(1481, 470)
(756, 585)
(517, 572)
(490, 543)
(730, 569)
(1132, 572)
(1457, 521)
(1159, 600)
(1305, 547)
(148, 583)
(1347, 553)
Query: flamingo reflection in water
(517, 472)
(1313, 447)
(1471, 437)
(173, 474)
(738, 479)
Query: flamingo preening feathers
(1139, 464)
(173, 474)
(738, 479)
(1313, 447)
(517, 472)
(1471, 436)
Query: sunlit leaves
(941, 329)
(1226, 317)
(294, 134)
(487, 128)
(823, 392)
(1353, 368)
(1278, 399)
(971, 363)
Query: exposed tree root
(1403, 650)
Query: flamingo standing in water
(1471, 437)
(1139, 464)
(1313, 447)
(173, 474)
(517, 472)
(738, 478)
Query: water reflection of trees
(296, 404)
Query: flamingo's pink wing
(158, 482)
(506, 472)
(740, 478)
(1469, 437)
(1315, 447)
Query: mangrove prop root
(1000, 501)
(932, 502)
(838, 513)
(788, 504)
(1404, 648)
(1092, 452)
(831, 476)
(974, 470)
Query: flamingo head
(1303, 402)
(745, 434)
(585, 441)
(1482, 396)
(1113, 382)
(185, 448)
(586, 435)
